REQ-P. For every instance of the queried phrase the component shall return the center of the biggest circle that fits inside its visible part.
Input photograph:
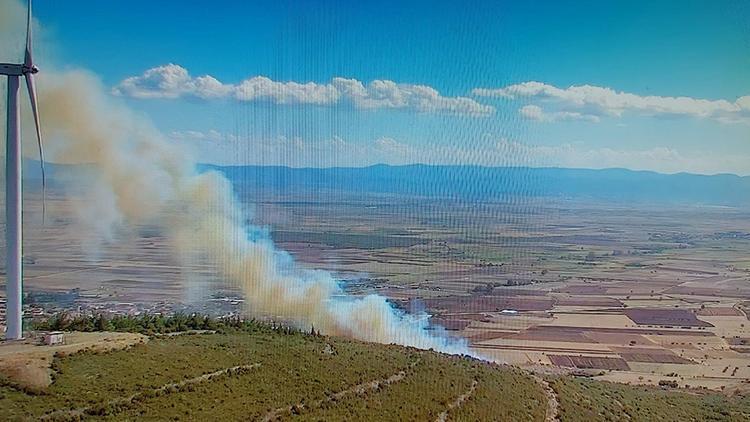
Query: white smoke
(141, 178)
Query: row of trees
(151, 324)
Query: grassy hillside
(272, 375)
(586, 400)
(267, 375)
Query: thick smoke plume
(143, 179)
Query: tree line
(150, 324)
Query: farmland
(630, 293)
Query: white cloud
(388, 94)
(534, 112)
(174, 81)
(195, 135)
(606, 101)
(262, 88)
(391, 146)
(170, 81)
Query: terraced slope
(267, 375)
(271, 376)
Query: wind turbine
(13, 199)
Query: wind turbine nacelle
(11, 69)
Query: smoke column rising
(142, 178)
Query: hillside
(263, 374)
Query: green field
(264, 374)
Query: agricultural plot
(719, 311)
(487, 304)
(589, 362)
(666, 317)
(649, 355)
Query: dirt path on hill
(442, 417)
(553, 405)
(359, 390)
(164, 389)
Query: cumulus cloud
(534, 112)
(388, 94)
(174, 81)
(262, 88)
(594, 100)
(170, 81)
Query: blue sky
(497, 74)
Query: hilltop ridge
(257, 372)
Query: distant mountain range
(476, 182)
(496, 183)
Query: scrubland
(261, 373)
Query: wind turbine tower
(13, 199)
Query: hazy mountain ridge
(492, 183)
(470, 182)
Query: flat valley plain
(635, 293)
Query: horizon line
(199, 164)
(685, 173)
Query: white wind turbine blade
(35, 110)
(27, 60)
(28, 63)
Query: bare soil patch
(28, 363)
(719, 311)
(588, 301)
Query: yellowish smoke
(141, 178)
